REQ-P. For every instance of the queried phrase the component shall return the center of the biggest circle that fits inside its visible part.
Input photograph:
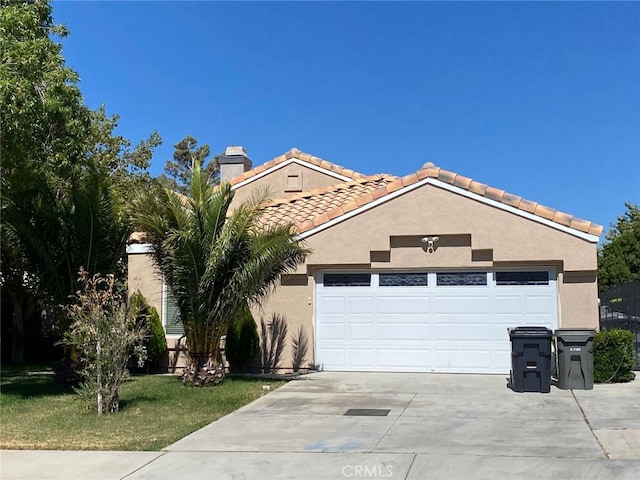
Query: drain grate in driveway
(367, 412)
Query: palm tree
(213, 260)
(48, 234)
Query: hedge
(613, 356)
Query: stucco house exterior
(420, 273)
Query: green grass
(155, 411)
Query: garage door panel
(332, 305)
(397, 305)
(360, 305)
(331, 331)
(361, 331)
(361, 357)
(402, 331)
(502, 360)
(507, 305)
(464, 358)
(472, 332)
(453, 304)
(537, 304)
(404, 358)
(332, 357)
(429, 327)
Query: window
(403, 279)
(461, 279)
(522, 278)
(347, 280)
(172, 323)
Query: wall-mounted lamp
(429, 242)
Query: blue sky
(540, 99)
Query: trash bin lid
(583, 333)
(531, 331)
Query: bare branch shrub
(105, 335)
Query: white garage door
(428, 321)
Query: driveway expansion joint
(586, 419)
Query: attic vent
(367, 412)
(294, 182)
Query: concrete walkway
(434, 426)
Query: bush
(243, 342)
(105, 334)
(613, 356)
(156, 342)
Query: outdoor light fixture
(429, 242)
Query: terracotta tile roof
(308, 210)
(295, 153)
(312, 208)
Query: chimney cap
(235, 150)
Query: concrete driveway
(404, 426)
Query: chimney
(233, 163)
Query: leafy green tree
(54, 151)
(619, 255)
(177, 174)
(213, 260)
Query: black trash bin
(530, 359)
(575, 358)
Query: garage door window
(461, 279)
(347, 280)
(522, 278)
(403, 279)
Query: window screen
(173, 324)
(347, 279)
(522, 278)
(403, 279)
(461, 279)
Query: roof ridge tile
(387, 183)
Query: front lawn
(155, 411)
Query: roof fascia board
(139, 248)
(289, 162)
(459, 191)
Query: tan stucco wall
(465, 226)
(473, 235)
(276, 182)
(143, 276)
(430, 210)
(295, 303)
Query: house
(421, 273)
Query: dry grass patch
(156, 410)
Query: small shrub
(104, 334)
(273, 338)
(613, 356)
(243, 341)
(155, 342)
(299, 348)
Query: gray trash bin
(575, 358)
